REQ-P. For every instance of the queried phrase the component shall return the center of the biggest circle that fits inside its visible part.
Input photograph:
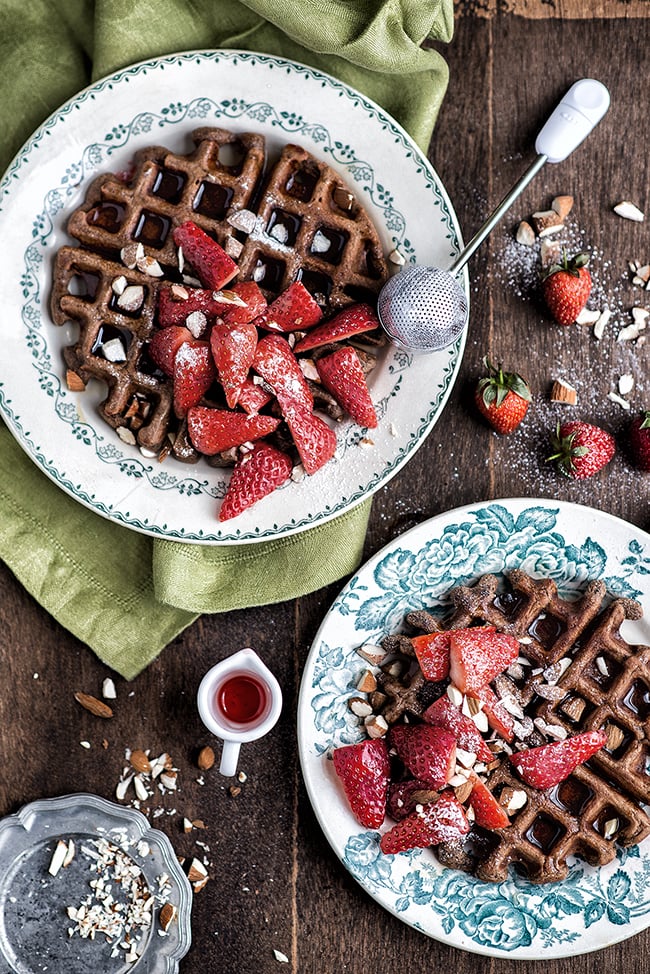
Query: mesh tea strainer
(424, 309)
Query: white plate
(593, 908)
(161, 102)
(34, 922)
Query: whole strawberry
(566, 287)
(502, 397)
(639, 437)
(581, 450)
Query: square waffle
(296, 222)
(575, 673)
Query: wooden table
(276, 884)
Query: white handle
(229, 758)
(578, 113)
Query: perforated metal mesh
(423, 309)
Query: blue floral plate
(592, 908)
(160, 102)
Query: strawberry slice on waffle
(341, 373)
(211, 263)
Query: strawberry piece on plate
(428, 752)
(477, 655)
(233, 350)
(499, 719)
(342, 374)
(353, 320)
(254, 304)
(174, 309)
(546, 766)
(293, 310)
(440, 821)
(443, 713)
(364, 770)
(432, 653)
(487, 811)
(403, 796)
(255, 475)
(253, 397)
(277, 364)
(194, 373)
(165, 344)
(214, 430)
(211, 263)
(314, 440)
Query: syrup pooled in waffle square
(298, 222)
(575, 673)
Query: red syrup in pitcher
(241, 698)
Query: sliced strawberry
(233, 350)
(193, 375)
(315, 441)
(293, 310)
(441, 821)
(211, 263)
(165, 344)
(477, 655)
(253, 397)
(174, 310)
(428, 752)
(403, 796)
(214, 430)
(350, 321)
(364, 770)
(499, 719)
(254, 304)
(276, 363)
(342, 374)
(443, 713)
(545, 766)
(487, 811)
(432, 653)
(255, 475)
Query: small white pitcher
(239, 700)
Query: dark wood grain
(275, 883)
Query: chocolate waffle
(108, 284)
(311, 228)
(575, 673)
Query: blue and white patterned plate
(161, 102)
(593, 908)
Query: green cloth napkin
(122, 593)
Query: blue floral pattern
(417, 571)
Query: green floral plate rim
(100, 130)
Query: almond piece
(525, 234)
(564, 393)
(74, 382)
(167, 916)
(93, 705)
(205, 759)
(140, 762)
(629, 211)
(562, 205)
(197, 871)
(367, 682)
(547, 222)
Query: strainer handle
(579, 111)
(500, 211)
